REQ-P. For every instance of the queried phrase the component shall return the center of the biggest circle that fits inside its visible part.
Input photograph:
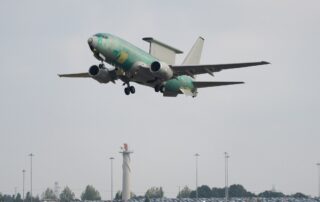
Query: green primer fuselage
(123, 55)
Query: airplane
(156, 69)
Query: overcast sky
(270, 126)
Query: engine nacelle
(161, 70)
(99, 74)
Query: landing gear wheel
(101, 66)
(127, 91)
(132, 89)
(157, 88)
(162, 89)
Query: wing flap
(204, 84)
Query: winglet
(265, 63)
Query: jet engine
(102, 75)
(161, 70)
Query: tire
(127, 91)
(132, 89)
(157, 88)
(162, 89)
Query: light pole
(318, 164)
(31, 155)
(23, 180)
(197, 155)
(226, 156)
(111, 166)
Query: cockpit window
(102, 35)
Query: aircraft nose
(90, 40)
(92, 43)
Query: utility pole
(318, 164)
(23, 183)
(226, 156)
(111, 165)
(197, 155)
(31, 155)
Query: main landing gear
(129, 89)
(159, 88)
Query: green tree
(238, 190)
(28, 198)
(193, 194)
(90, 194)
(118, 195)
(299, 195)
(8, 198)
(146, 199)
(66, 195)
(18, 198)
(217, 192)
(184, 193)
(271, 194)
(154, 192)
(49, 194)
(204, 191)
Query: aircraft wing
(76, 75)
(192, 70)
(204, 84)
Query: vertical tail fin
(194, 55)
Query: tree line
(205, 191)
(235, 190)
(91, 194)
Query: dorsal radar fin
(162, 51)
(194, 55)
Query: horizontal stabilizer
(77, 75)
(204, 84)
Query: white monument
(126, 172)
